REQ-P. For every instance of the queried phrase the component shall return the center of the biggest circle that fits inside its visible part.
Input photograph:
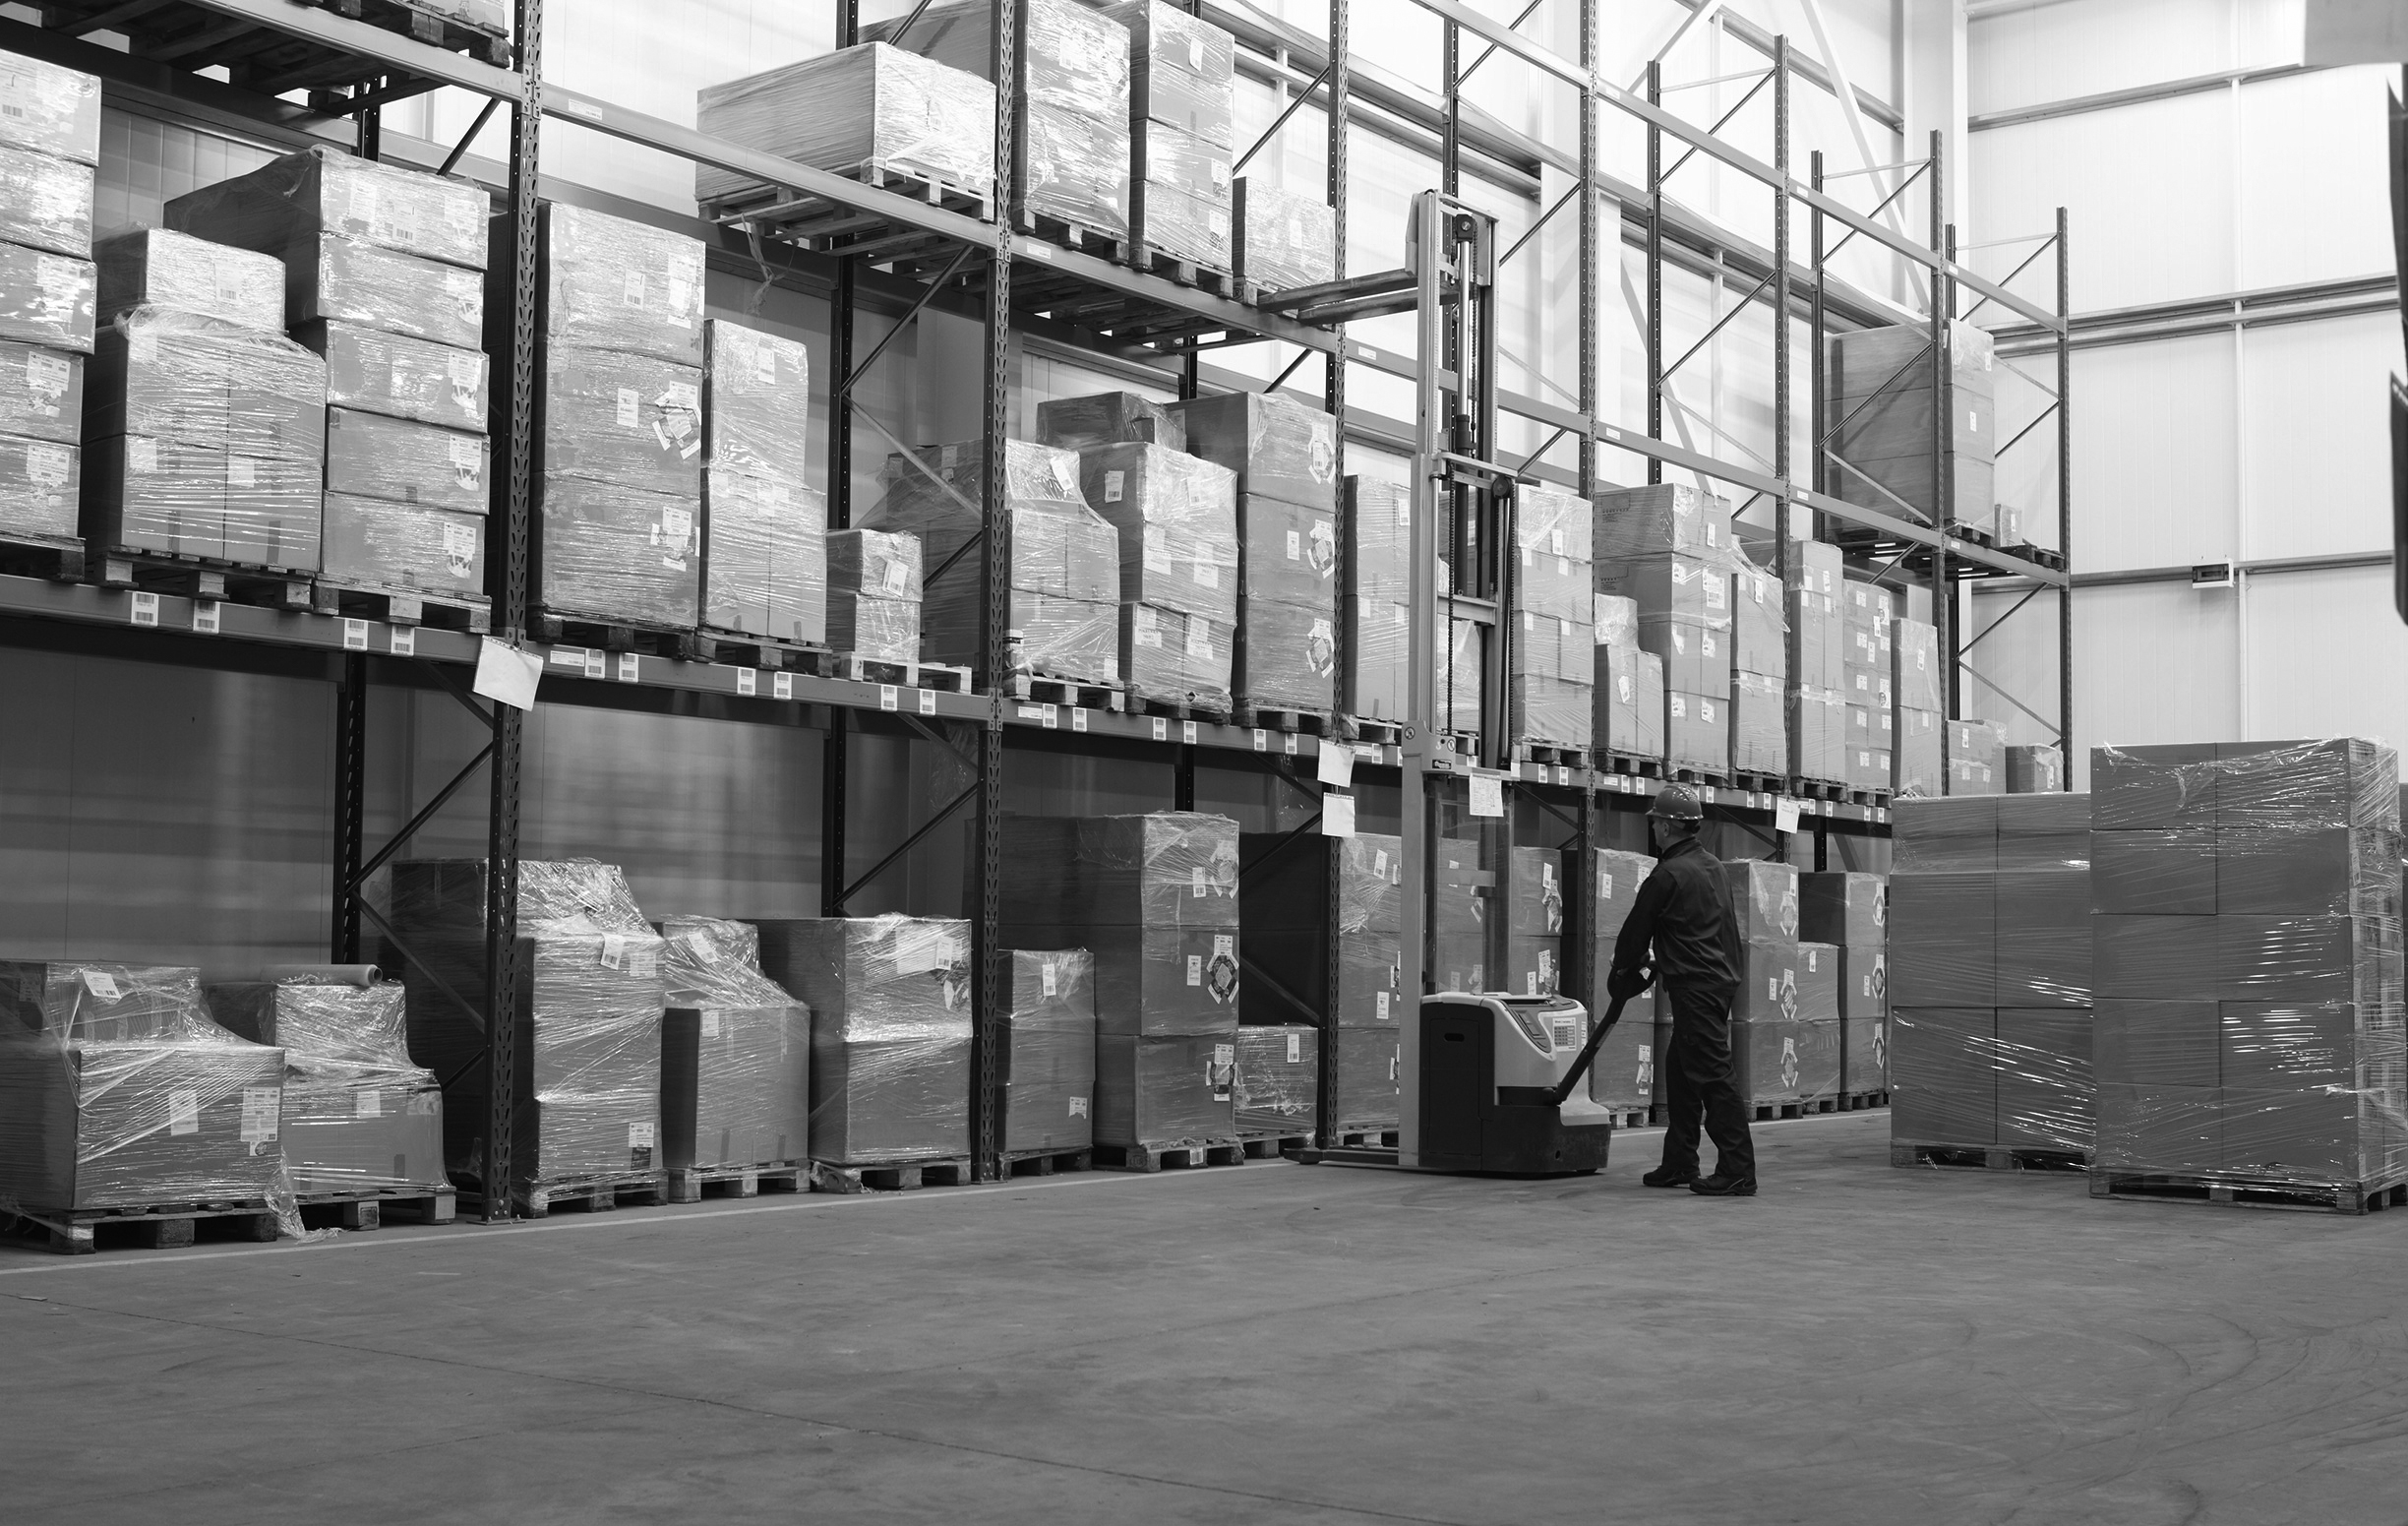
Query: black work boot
(1721, 1185)
(1669, 1175)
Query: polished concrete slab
(1273, 1343)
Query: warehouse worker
(1684, 911)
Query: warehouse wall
(2258, 443)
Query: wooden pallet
(1380, 733)
(906, 1176)
(559, 628)
(905, 675)
(55, 558)
(1270, 1144)
(692, 1183)
(1762, 783)
(149, 1226)
(1864, 797)
(1276, 717)
(2354, 1199)
(1215, 709)
(366, 1209)
(1632, 765)
(1858, 1101)
(1628, 1118)
(1816, 789)
(1179, 1155)
(1986, 1157)
(200, 577)
(593, 1194)
(1551, 755)
(1192, 274)
(472, 613)
(1077, 692)
(1365, 1137)
(739, 649)
(830, 227)
(1045, 1163)
(1101, 243)
(1703, 778)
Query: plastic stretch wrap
(764, 556)
(613, 553)
(1760, 630)
(1066, 559)
(484, 15)
(1049, 1099)
(1109, 418)
(378, 455)
(40, 487)
(866, 108)
(1914, 647)
(1167, 869)
(117, 1090)
(2002, 1076)
(1278, 1084)
(1462, 666)
(1764, 899)
(632, 421)
(1697, 732)
(1158, 1091)
(1176, 517)
(1879, 384)
(1616, 618)
(1786, 1059)
(1533, 966)
(1614, 878)
(1375, 523)
(1553, 710)
(1628, 1072)
(755, 402)
(346, 281)
(1278, 447)
(1551, 533)
(1822, 645)
(202, 381)
(156, 268)
(45, 299)
(735, 1050)
(610, 284)
(2036, 768)
(1286, 554)
(378, 543)
(45, 202)
(1176, 657)
(1076, 169)
(358, 1116)
(1864, 1052)
(1760, 729)
(1871, 764)
(399, 375)
(50, 109)
(143, 493)
(1283, 240)
(890, 1032)
(1287, 655)
(1380, 638)
(1843, 907)
(42, 393)
(291, 201)
(1366, 1064)
(874, 594)
(1629, 701)
(1976, 756)
(1917, 767)
(1284, 915)
(1181, 199)
(1672, 586)
(1658, 520)
(1818, 982)
(1183, 71)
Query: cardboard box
(347, 280)
(755, 402)
(1764, 898)
(327, 191)
(1660, 519)
(1976, 758)
(2044, 831)
(51, 110)
(2045, 1086)
(632, 421)
(2044, 936)
(202, 381)
(376, 544)
(1177, 521)
(45, 202)
(1627, 1072)
(735, 1085)
(377, 456)
(1159, 1091)
(612, 552)
(2296, 1046)
(874, 594)
(1943, 1075)
(1943, 939)
(405, 377)
(1628, 702)
(40, 487)
(2144, 1043)
(155, 267)
(1050, 1069)
(1366, 1064)
(1768, 982)
(2164, 959)
(1283, 240)
(764, 556)
(1151, 981)
(1277, 448)
(1278, 1083)
(1945, 836)
(1287, 655)
(1286, 553)
(1179, 657)
(1819, 970)
(1669, 586)
(868, 105)
(2156, 870)
(1841, 907)
(1864, 981)
(1785, 1059)
(2160, 1129)
(2034, 769)
(1696, 733)
(1864, 1055)
(45, 299)
(1109, 418)
(2152, 787)
(611, 283)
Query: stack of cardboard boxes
(890, 1001)
(1279, 1079)
(382, 276)
(873, 595)
(1071, 130)
(1919, 737)
(1669, 550)
(1284, 918)
(1182, 127)
(620, 536)
(1283, 241)
(49, 141)
(1850, 912)
(1286, 457)
(1629, 693)
(1050, 1068)
(1760, 671)
(1818, 699)
(1534, 922)
(1176, 517)
(735, 1054)
(1064, 572)
(589, 982)
(1866, 616)
(1553, 645)
(1378, 588)
(1786, 1021)
(1883, 388)
(1975, 752)
(1463, 909)
(2248, 958)
(765, 529)
(1990, 972)
(871, 113)
(1155, 899)
(2035, 770)
(1626, 1074)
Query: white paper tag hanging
(1488, 796)
(1337, 815)
(506, 675)
(1335, 766)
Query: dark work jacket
(1684, 910)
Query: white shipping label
(45, 374)
(710, 1024)
(680, 295)
(1078, 1106)
(460, 548)
(1157, 550)
(368, 1102)
(1380, 1002)
(1604, 885)
(259, 1107)
(1198, 887)
(103, 983)
(1207, 573)
(896, 576)
(464, 452)
(1295, 547)
(614, 950)
(182, 1111)
(676, 527)
(633, 292)
(1195, 969)
(1199, 638)
(630, 407)
(466, 368)
(47, 464)
(1379, 863)
(241, 471)
(1112, 481)
(765, 365)
(141, 455)
(1049, 974)
(640, 1136)
(1295, 1049)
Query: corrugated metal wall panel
(2153, 479)
(2053, 50)
(2153, 662)
(2310, 147)
(2318, 447)
(2326, 656)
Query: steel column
(1780, 389)
(2065, 501)
(1942, 421)
(1340, 46)
(1654, 270)
(350, 816)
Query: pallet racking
(901, 255)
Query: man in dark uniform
(1684, 911)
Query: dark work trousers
(1702, 1081)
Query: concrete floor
(1305, 1346)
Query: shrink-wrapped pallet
(735, 1051)
(160, 268)
(293, 201)
(359, 1116)
(861, 111)
(1283, 240)
(1049, 1077)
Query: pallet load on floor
(1049, 1074)
(51, 138)
(1286, 457)
(735, 1065)
(586, 1086)
(1277, 1088)
(376, 262)
(889, 999)
(1850, 912)
(2248, 936)
(123, 1106)
(1989, 983)
(1669, 549)
(1287, 881)
(1626, 1075)
(362, 1126)
(1155, 899)
(764, 528)
(1786, 1021)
